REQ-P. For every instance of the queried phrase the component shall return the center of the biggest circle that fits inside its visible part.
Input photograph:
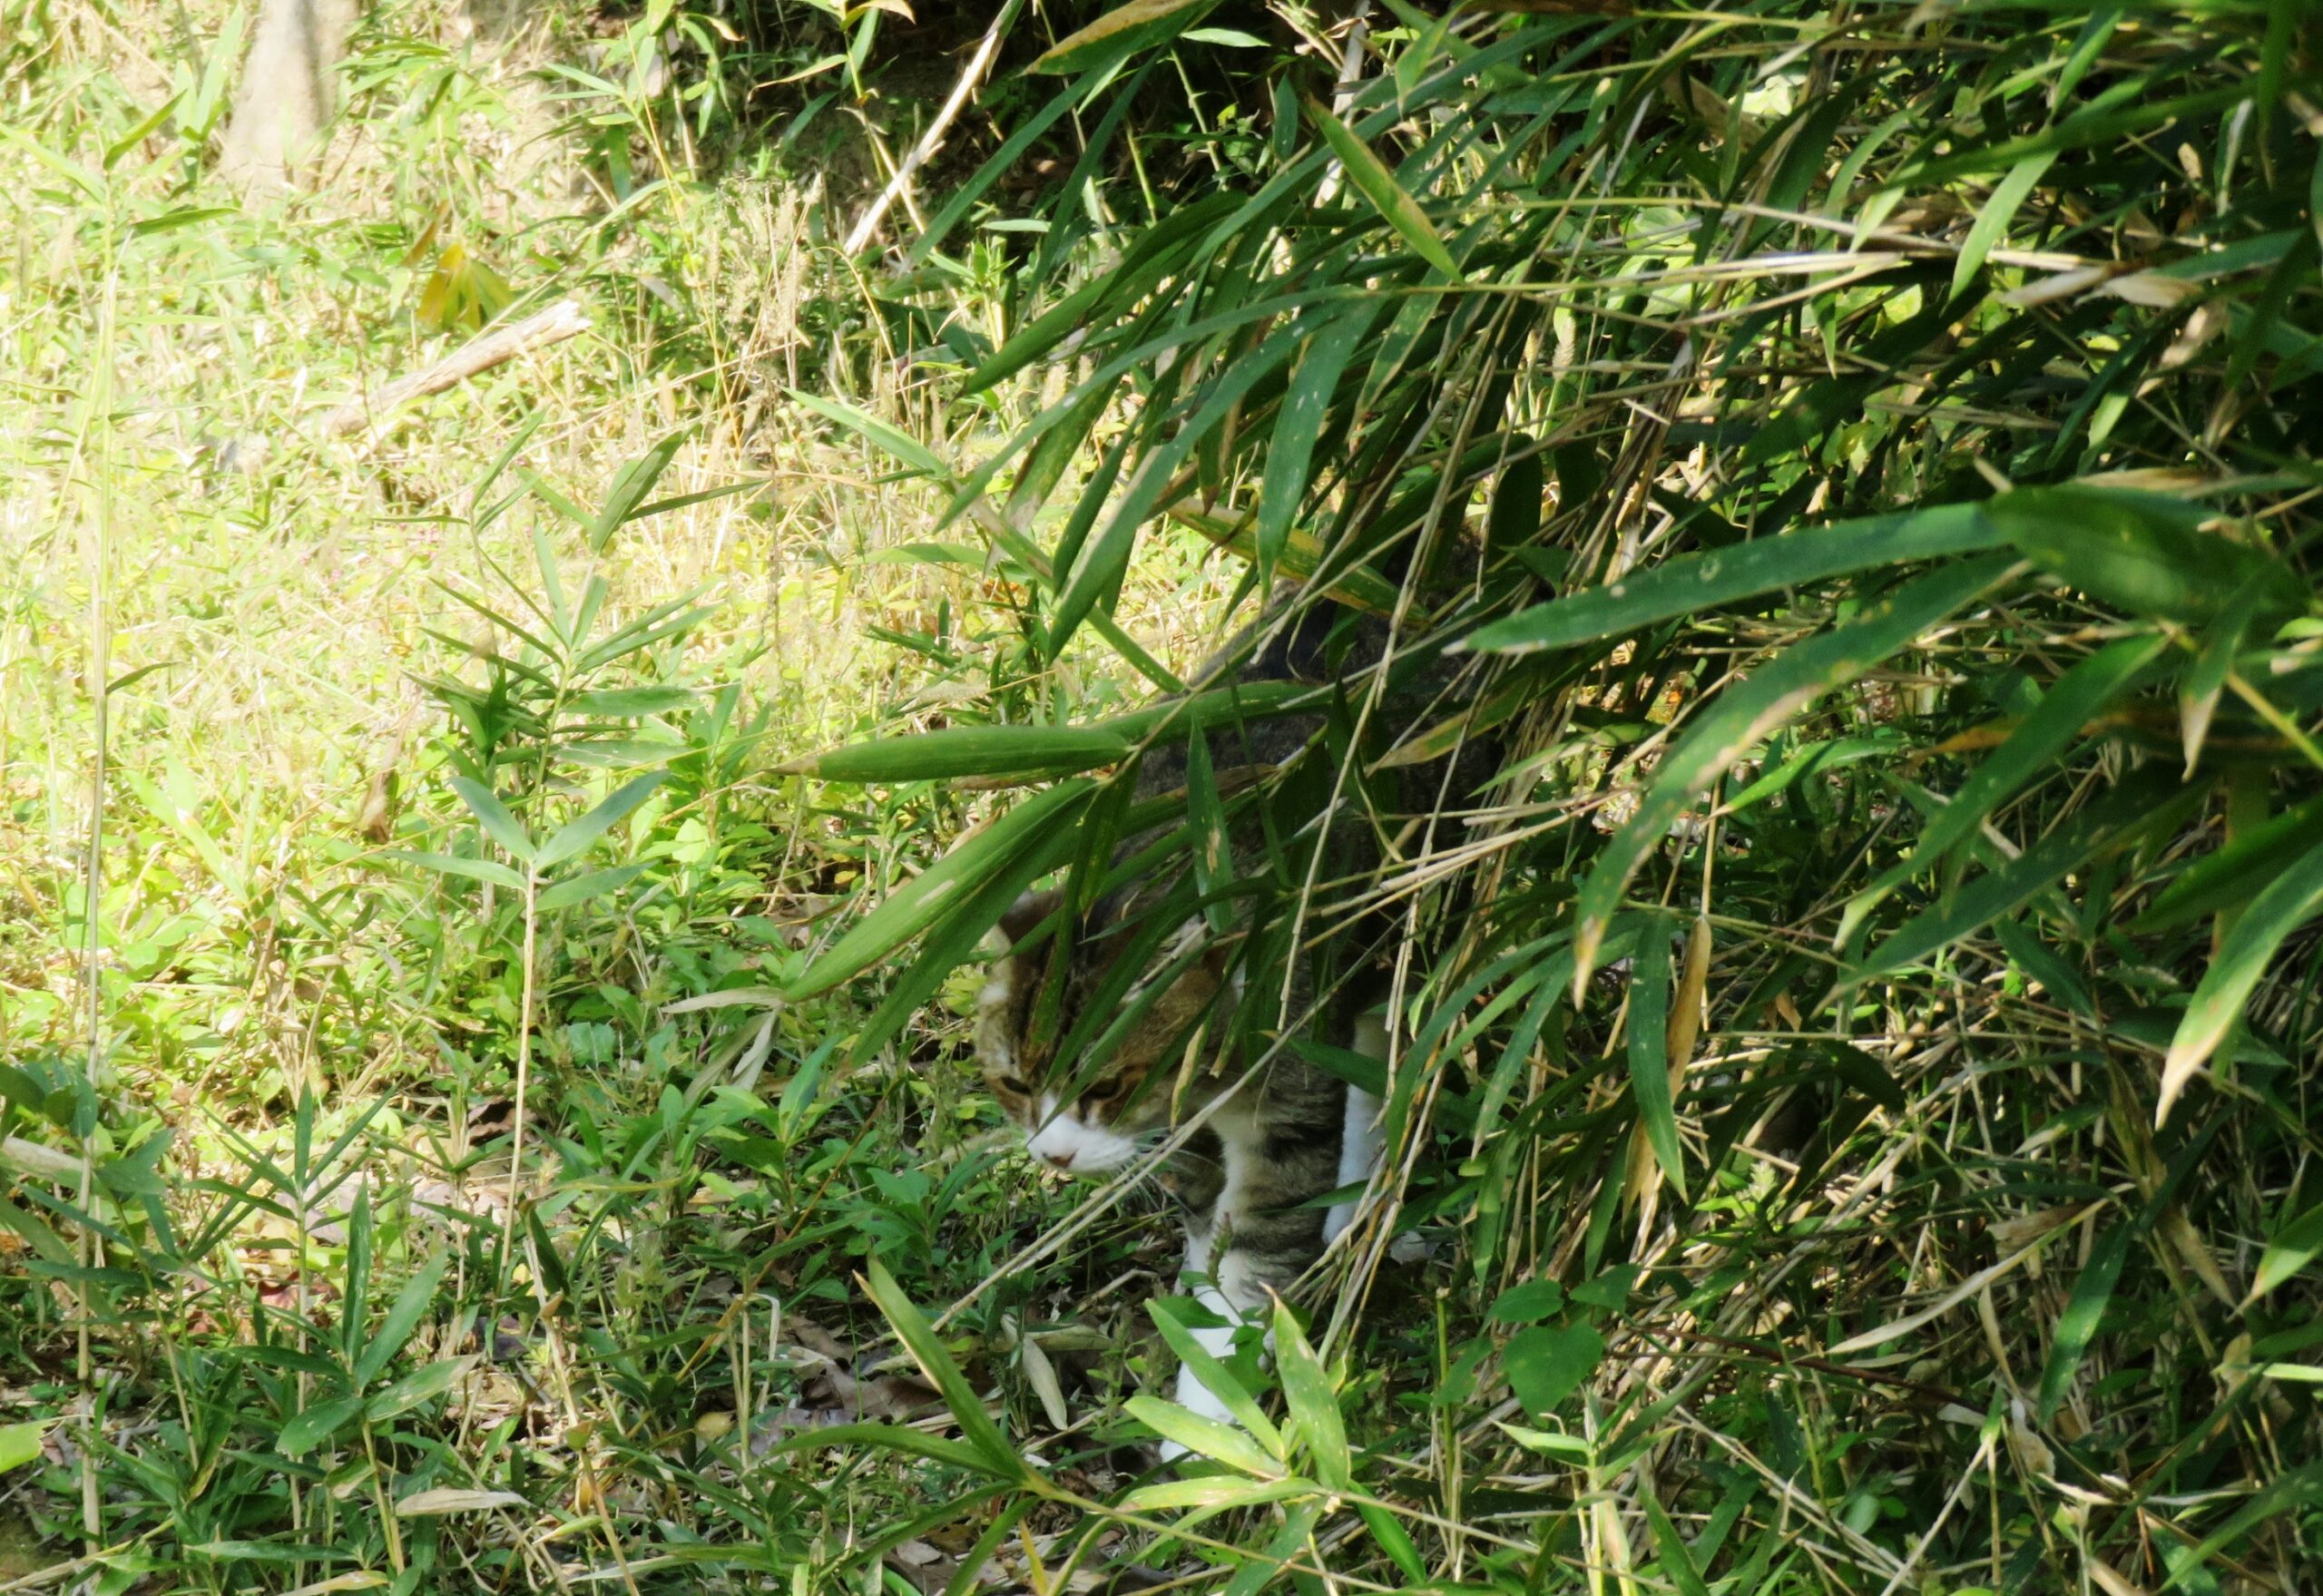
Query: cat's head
(1101, 1126)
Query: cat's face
(1104, 1125)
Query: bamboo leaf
(424, 1383)
(1649, 1058)
(2288, 1250)
(310, 1427)
(580, 889)
(919, 1338)
(1745, 713)
(883, 434)
(1698, 583)
(1299, 426)
(628, 489)
(1677, 1561)
(967, 751)
(2130, 811)
(888, 1438)
(403, 1317)
(2063, 714)
(2236, 873)
(1121, 33)
(1204, 1437)
(1376, 184)
(2198, 694)
(2286, 903)
(2076, 1328)
(912, 907)
(2143, 553)
(1991, 222)
(501, 826)
(1313, 1399)
(1216, 1378)
(491, 870)
(574, 836)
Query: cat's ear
(1026, 913)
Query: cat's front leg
(1218, 1340)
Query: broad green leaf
(491, 870)
(1376, 184)
(1257, 1572)
(2063, 715)
(888, 1438)
(967, 751)
(1745, 713)
(628, 489)
(310, 1427)
(1991, 222)
(912, 907)
(2205, 679)
(927, 1350)
(2270, 1504)
(424, 1383)
(1677, 1561)
(1649, 1051)
(2281, 907)
(2234, 874)
(2288, 1251)
(20, 1444)
(2143, 553)
(501, 826)
(595, 884)
(1121, 32)
(403, 1317)
(1216, 1378)
(1299, 426)
(1098, 574)
(1202, 1436)
(884, 434)
(1528, 1302)
(2142, 803)
(1698, 582)
(1314, 1401)
(1393, 1540)
(1215, 1492)
(1547, 1365)
(576, 836)
(2076, 1328)
(625, 703)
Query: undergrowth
(462, 1129)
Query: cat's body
(1165, 1015)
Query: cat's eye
(1015, 1085)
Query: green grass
(1745, 1278)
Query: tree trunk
(286, 93)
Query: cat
(1164, 993)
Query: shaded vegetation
(1856, 1000)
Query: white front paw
(1198, 1398)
